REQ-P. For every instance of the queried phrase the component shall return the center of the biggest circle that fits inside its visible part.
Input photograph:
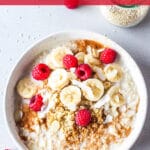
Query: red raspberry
(108, 56)
(83, 117)
(41, 72)
(70, 61)
(71, 4)
(36, 102)
(83, 71)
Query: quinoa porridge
(79, 95)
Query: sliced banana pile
(116, 98)
(113, 72)
(92, 89)
(69, 88)
(26, 88)
(96, 87)
(113, 96)
(58, 79)
(55, 58)
(70, 96)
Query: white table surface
(22, 26)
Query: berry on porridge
(40, 72)
(108, 56)
(83, 117)
(36, 102)
(78, 95)
(70, 61)
(83, 71)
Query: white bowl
(52, 41)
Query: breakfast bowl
(133, 94)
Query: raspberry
(36, 102)
(83, 71)
(108, 56)
(71, 4)
(70, 61)
(41, 72)
(83, 117)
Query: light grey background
(22, 26)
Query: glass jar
(124, 16)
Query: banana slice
(113, 72)
(70, 96)
(97, 89)
(26, 88)
(83, 86)
(80, 57)
(55, 58)
(116, 98)
(58, 79)
(100, 73)
(90, 60)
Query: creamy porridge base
(55, 128)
